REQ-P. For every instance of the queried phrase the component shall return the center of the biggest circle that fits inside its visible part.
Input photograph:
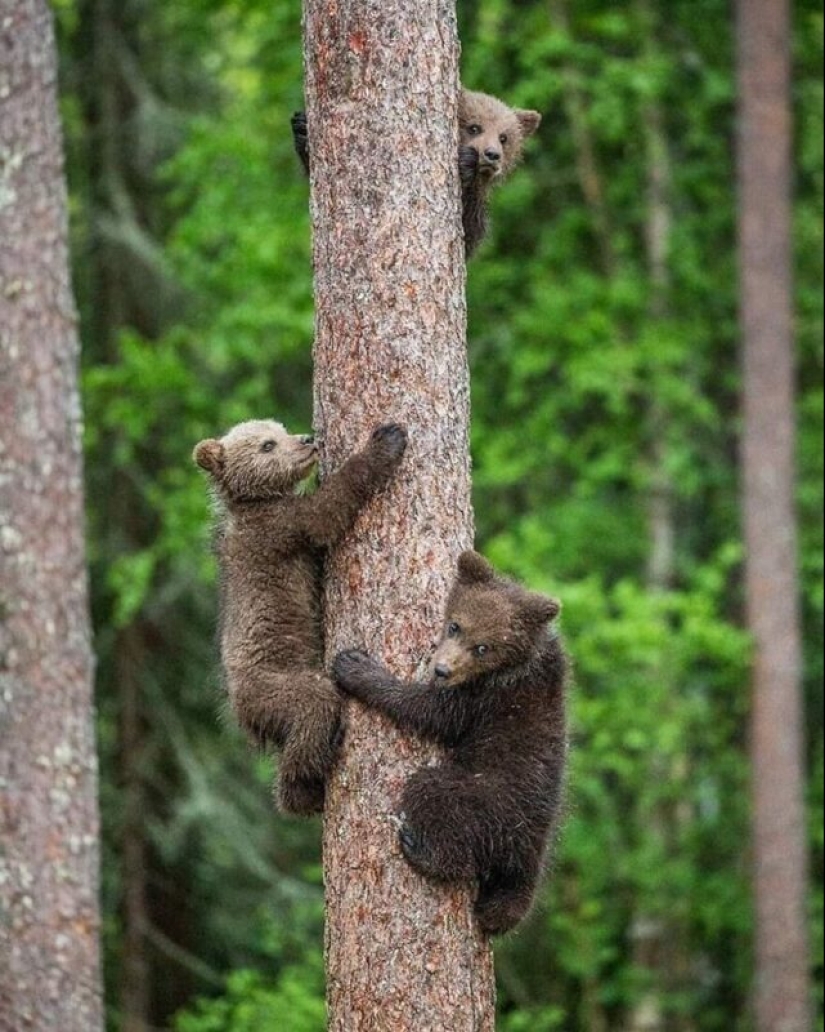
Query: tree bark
(135, 988)
(780, 856)
(382, 92)
(49, 920)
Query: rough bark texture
(49, 962)
(135, 988)
(382, 92)
(782, 980)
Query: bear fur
(496, 703)
(492, 137)
(270, 544)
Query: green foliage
(603, 403)
(295, 1003)
(253, 1000)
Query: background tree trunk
(382, 84)
(782, 976)
(50, 971)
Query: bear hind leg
(506, 895)
(499, 911)
(312, 746)
(441, 825)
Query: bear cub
(496, 702)
(270, 543)
(492, 137)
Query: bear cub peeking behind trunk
(491, 144)
(496, 703)
(270, 544)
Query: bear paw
(411, 843)
(392, 439)
(301, 797)
(418, 854)
(354, 669)
(468, 162)
(299, 125)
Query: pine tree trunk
(782, 975)
(382, 90)
(652, 936)
(49, 923)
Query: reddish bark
(382, 92)
(49, 960)
(780, 871)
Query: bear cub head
(257, 461)
(492, 625)
(495, 132)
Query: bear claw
(410, 843)
(349, 666)
(394, 437)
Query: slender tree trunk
(658, 236)
(135, 995)
(782, 973)
(382, 90)
(650, 931)
(49, 922)
(116, 208)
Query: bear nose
(492, 155)
(442, 672)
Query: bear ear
(474, 569)
(540, 610)
(529, 121)
(209, 455)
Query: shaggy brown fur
(496, 702)
(492, 142)
(270, 543)
(492, 139)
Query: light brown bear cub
(492, 137)
(270, 544)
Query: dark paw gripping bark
(270, 544)
(496, 703)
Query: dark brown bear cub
(496, 702)
(492, 137)
(270, 543)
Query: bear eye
(453, 630)
(474, 130)
(268, 446)
(504, 138)
(482, 650)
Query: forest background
(604, 346)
